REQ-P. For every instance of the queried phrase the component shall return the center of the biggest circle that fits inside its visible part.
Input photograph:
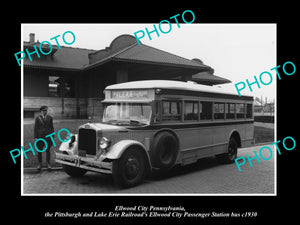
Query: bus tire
(231, 153)
(130, 169)
(165, 151)
(73, 171)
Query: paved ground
(206, 176)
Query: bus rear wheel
(231, 153)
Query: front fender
(71, 150)
(117, 149)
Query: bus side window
(190, 110)
(206, 110)
(156, 115)
(218, 110)
(171, 110)
(240, 110)
(249, 111)
(230, 110)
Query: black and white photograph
(148, 118)
(161, 117)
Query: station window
(240, 110)
(54, 86)
(219, 110)
(171, 110)
(230, 110)
(190, 110)
(249, 111)
(206, 110)
(60, 86)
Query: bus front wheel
(130, 169)
(73, 171)
(231, 153)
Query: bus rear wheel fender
(235, 134)
(231, 153)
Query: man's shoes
(49, 168)
(39, 168)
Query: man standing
(43, 126)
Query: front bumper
(84, 163)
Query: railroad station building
(71, 80)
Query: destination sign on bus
(130, 94)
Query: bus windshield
(127, 113)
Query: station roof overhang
(141, 61)
(208, 78)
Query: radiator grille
(87, 141)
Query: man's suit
(43, 127)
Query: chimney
(31, 38)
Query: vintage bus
(156, 124)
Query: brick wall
(66, 107)
(94, 108)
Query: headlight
(104, 143)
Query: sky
(236, 51)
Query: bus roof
(169, 84)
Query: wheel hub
(131, 167)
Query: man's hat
(44, 107)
